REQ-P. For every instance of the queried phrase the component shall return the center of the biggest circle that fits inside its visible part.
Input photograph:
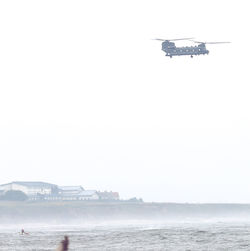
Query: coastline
(78, 211)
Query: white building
(73, 193)
(45, 191)
(109, 195)
(29, 188)
(70, 190)
(88, 195)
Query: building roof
(71, 188)
(109, 195)
(31, 184)
(87, 193)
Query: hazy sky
(88, 98)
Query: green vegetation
(14, 195)
(84, 211)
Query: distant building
(29, 188)
(45, 191)
(70, 190)
(89, 195)
(73, 193)
(109, 195)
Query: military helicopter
(169, 47)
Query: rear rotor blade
(159, 39)
(199, 42)
(217, 42)
(176, 39)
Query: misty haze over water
(83, 212)
(131, 235)
(125, 226)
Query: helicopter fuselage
(171, 50)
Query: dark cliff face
(63, 212)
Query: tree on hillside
(14, 195)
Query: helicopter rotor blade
(218, 42)
(199, 42)
(176, 39)
(159, 39)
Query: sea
(130, 235)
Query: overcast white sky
(87, 98)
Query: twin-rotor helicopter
(169, 47)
